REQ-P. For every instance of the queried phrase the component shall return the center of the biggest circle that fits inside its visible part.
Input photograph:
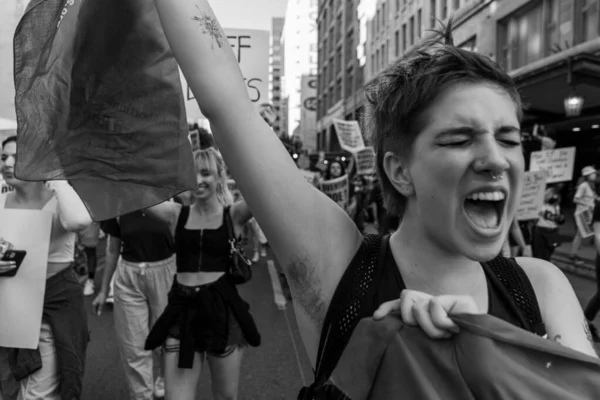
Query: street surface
(275, 370)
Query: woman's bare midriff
(198, 278)
(56, 268)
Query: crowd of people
(445, 125)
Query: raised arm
(167, 211)
(72, 213)
(312, 237)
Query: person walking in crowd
(335, 170)
(205, 316)
(140, 263)
(584, 199)
(259, 241)
(545, 232)
(593, 305)
(55, 369)
(445, 123)
(88, 240)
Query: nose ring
(497, 177)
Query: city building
(307, 129)
(550, 47)
(341, 75)
(276, 73)
(299, 55)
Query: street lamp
(573, 104)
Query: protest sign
(251, 48)
(349, 135)
(338, 190)
(22, 296)
(310, 176)
(99, 103)
(5, 188)
(558, 163)
(532, 197)
(365, 161)
(584, 222)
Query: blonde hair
(211, 156)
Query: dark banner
(99, 102)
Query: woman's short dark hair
(8, 140)
(400, 95)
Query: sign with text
(337, 189)
(558, 163)
(365, 161)
(349, 135)
(22, 296)
(584, 222)
(532, 197)
(251, 48)
(310, 176)
(5, 188)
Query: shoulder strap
(183, 217)
(520, 292)
(353, 300)
(228, 222)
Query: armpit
(305, 285)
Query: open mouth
(485, 209)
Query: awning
(544, 86)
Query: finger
(421, 314)
(439, 316)
(387, 308)
(459, 305)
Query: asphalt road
(275, 370)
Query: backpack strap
(519, 292)
(183, 217)
(353, 299)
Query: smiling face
(470, 135)
(207, 178)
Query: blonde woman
(205, 316)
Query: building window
(325, 104)
(377, 61)
(432, 13)
(444, 9)
(331, 40)
(338, 28)
(383, 56)
(338, 60)
(383, 15)
(521, 37)
(338, 90)
(349, 47)
(412, 30)
(331, 69)
(419, 24)
(590, 20)
(552, 32)
(404, 37)
(397, 6)
(348, 89)
(397, 44)
(372, 63)
(456, 5)
(349, 13)
(377, 16)
(470, 44)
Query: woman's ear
(396, 169)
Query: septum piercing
(496, 177)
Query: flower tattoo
(210, 26)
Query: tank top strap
(183, 217)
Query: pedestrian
(545, 232)
(205, 317)
(593, 305)
(88, 240)
(584, 200)
(140, 260)
(445, 125)
(55, 369)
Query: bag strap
(518, 291)
(358, 280)
(183, 217)
(229, 223)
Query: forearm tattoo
(588, 333)
(210, 26)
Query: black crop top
(201, 250)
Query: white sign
(251, 48)
(338, 190)
(310, 176)
(558, 163)
(22, 296)
(4, 187)
(532, 198)
(365, 161)
(584, 222)
(349, 135)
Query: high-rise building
(299, 56)
(11, 12)
(276, 73)
(341, 76)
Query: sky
(248, 14)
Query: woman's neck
(31, 192)
(208, 206)
(425, 262)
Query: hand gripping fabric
(99, 103)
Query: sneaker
(256, 257)
(159, 388)
(89, 288)
(263, 252)
(594, 332)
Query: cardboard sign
(251, 48)
(22, 296)
(311, 177)
(365, 161)
(584, 222)
(558, 163)
(349, 135)
(532, 198)
(338, 190)
(5, 188)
